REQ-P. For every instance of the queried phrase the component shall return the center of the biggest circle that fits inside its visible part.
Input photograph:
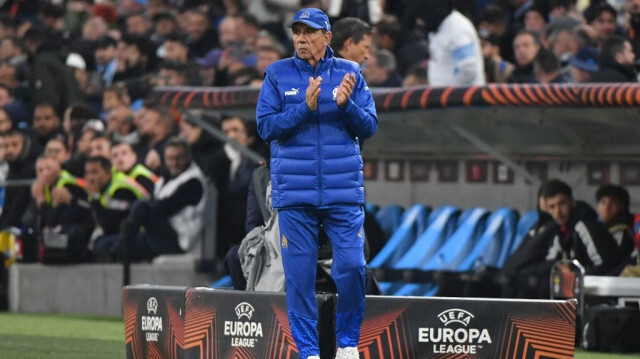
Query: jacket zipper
(319, 152)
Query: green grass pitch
(56, 336)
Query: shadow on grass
(36, 347)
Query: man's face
(123, 158)
(228, 31)
(525, 49)
(533, 20)
(47, 170)
(197, 25)
(106, 55)
(5, 122)
(165, 27)
(175, 51)
(148, 121)
(309, 42)
(626, 57)
(117, 120)
(95, 175)
(234, 128)
(137, 25)
(45, 121)
(84, 143)
(175, 159)
(110, 100)
(605, 24)
(559, 207)
(57, 150)
(488, 49)
(100, 147)
(633, 7)
(359, 52)
(15, 145)
(608, 208)
(266, 58)
(8, 50)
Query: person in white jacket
(454, 47)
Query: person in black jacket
(616, 61)
(578, 235)
(613, 210)
(20, 154)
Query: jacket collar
(322, 64)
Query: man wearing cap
(314, 108)
(583, 64)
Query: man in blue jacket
(313, 109)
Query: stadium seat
(224, 282)
(494, 244)
(389, 218)
(414, 222)
(454, 250)
(429, 242)
(526, 222)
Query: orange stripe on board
(513, 100)
(557, 91)
(176, 98)
(602, 91)
(387, 101)
(423, 98)
(569, 92)
(468, 96)
(524, 99)
(548, 89)
(165, 97)
(542, 95)
(528, 89)
(497, 95)
(405, 99)
(444, 99)
(187, 101)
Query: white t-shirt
(456, 56)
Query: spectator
(201, 37)
(100, 146)
(164, 24)
(266, 55)
(7, 26)
(138, 24)
(388, 34)
(12, 52)
(14, 109)
(493, 19)
(51, 16)
(584, 64)
(94, 29)
(156, 126)
(546, 68)
(233, 59)
(381, 70)
(6, 125)
(173, 221)
(231, 173)
(175, 49)
(351, 39)
(578, 236)
(106, 55)
(613, 210)
(247, 29)
(207, 67)
(525, 48)
(136, 57)
(46, 123)
(61, 211)
(57, 149)
(125, 161)
(228, 31)
(456, 57)
(51, 80)
(616, 61)
(178, 74)
(535, 19)
(563, 8)
(114, 97)
(202, 144)
(632, 31)
(416, 76)
(496, 69)
(120, 125)
(76, 164)
(75, 117)
(20, 154)
(602, 17)
(562, 38)
(111, 197)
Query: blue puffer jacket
(315, 157)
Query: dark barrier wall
(230, 324)
(154, 321)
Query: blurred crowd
(74, 75)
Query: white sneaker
(347, 353)
(313, 357)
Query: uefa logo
(455, 316)
(244, 309)
(152, 305)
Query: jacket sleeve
(360, 110)
(601, 249)
(273, 123)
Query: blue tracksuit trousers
(299, 241)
